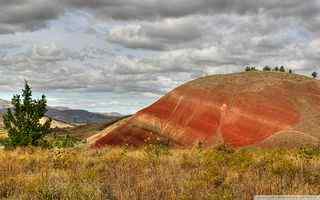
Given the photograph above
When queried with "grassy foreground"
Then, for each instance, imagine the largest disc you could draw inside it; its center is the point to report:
(155, 172)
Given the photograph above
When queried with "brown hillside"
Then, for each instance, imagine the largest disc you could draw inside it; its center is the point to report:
(252, 108)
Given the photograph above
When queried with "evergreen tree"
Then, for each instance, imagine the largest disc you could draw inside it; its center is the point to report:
(290, 71)
(314, 74)
(267, 68)
(276, 69)
(23, 121)
(282, 69)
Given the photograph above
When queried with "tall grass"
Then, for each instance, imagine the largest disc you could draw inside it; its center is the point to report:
(152, 173)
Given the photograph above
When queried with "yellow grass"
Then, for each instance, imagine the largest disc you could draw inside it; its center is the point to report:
(155, 172)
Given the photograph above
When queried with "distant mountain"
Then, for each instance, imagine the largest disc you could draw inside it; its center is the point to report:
(67, 115)
(54, 123)
(5, 104)
(79, 116)
(113, 114)
(60, 108)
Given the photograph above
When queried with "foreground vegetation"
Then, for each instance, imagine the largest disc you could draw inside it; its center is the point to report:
(156, 172)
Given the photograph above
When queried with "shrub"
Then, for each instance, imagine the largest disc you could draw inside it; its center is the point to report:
(266, 68)
(224, 148)
(282, 69)
(66, 141)
(309, 152)
(156, 150)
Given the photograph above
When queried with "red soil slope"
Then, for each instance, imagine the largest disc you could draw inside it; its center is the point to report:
(237, 109)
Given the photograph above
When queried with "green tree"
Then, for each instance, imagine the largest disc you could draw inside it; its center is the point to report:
(23, 121)
(276, 69)
(266, 68)
(253, 69)
(314, 74)
(290, 71)
(282, 69)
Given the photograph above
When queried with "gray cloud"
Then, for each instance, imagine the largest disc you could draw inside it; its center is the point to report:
(161, 35)
(16, 16)
(142, 9)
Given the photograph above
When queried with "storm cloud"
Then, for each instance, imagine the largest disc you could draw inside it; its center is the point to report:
(32, 14)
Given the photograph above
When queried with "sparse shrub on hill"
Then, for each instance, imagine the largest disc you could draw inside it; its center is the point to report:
(155, 150)
(309, 152)
(266, 68)
(65, 141)
(23, 121)
(282, 69)
(248, 68)
(314, 74)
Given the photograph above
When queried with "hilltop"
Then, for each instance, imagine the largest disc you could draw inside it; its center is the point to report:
(243, 109)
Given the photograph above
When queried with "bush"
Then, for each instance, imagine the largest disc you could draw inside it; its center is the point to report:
(66, 141)
(266, 68)
(224, 148)
(155, 151)
(309, 152)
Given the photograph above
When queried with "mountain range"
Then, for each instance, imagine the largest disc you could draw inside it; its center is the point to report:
(71, 116)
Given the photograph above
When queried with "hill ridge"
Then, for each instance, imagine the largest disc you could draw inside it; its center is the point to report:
(247, 108)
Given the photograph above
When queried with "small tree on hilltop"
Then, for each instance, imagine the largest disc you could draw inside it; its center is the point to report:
(266, 68)
(314, 74)
(282, 69)
(253, 69)
(23, 121)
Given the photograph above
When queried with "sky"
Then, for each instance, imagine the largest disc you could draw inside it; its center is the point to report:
(122, 55)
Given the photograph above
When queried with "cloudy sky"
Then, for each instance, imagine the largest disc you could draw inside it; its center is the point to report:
(121, 55)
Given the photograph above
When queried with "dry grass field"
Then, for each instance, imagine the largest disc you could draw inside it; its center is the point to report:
(156, 172)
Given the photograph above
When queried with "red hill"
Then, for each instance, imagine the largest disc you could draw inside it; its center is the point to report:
(252, 108)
